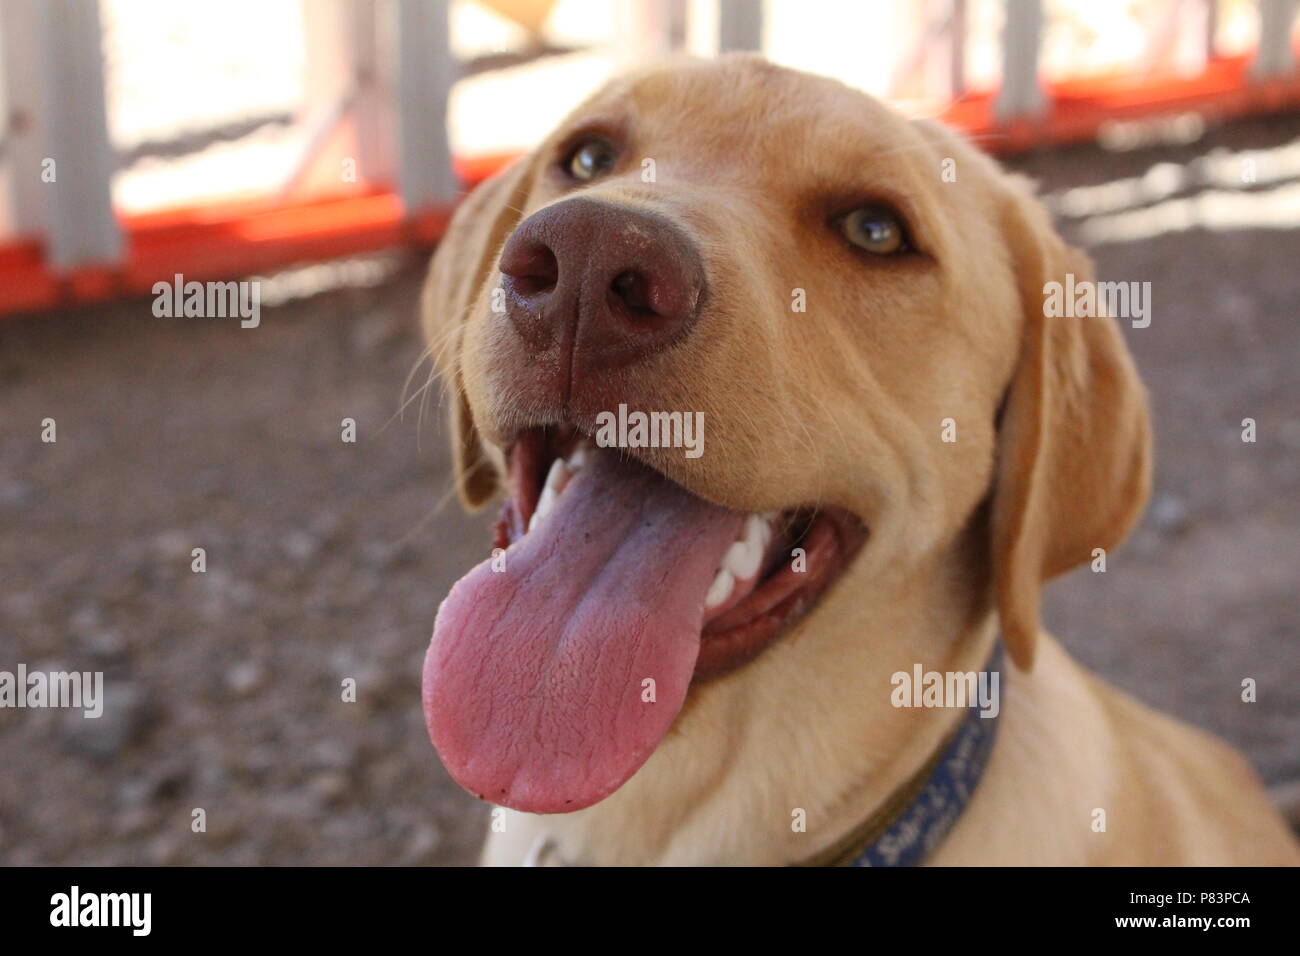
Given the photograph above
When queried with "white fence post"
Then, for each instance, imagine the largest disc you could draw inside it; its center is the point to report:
(425, 73)
(25, 130)
(373, 107)
(1021, 94)
(80, 228)
(1274, 57)
(740, 25)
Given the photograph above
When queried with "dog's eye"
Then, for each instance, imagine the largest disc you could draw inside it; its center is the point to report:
(591, 158)
(877, 229)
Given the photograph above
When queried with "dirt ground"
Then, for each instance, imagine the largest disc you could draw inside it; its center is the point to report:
(327, 560)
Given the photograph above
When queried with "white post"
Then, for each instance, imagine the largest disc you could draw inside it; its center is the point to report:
(1211, 27)
(25, 213)
(1021, 94)
(957, 50)
(740, 25)
(77, 170)
(1274, 57)
(425, 73)
(649, 29)
(373, 81)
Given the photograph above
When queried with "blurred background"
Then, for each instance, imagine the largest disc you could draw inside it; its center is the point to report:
(318, 146)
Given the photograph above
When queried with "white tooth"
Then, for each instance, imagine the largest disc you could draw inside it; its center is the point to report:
(543, 505)
(745, 555)
(719, 590)
(557, 476)
(742, 559)
(556, 479)
(578, 458)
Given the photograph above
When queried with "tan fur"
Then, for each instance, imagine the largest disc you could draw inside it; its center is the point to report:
(842, 405)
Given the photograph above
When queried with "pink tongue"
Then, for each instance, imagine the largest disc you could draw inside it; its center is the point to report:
(535, 678)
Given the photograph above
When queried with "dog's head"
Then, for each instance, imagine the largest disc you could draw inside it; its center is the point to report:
(851, 306)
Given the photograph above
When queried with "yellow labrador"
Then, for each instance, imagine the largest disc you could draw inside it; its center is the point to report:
(783, 427)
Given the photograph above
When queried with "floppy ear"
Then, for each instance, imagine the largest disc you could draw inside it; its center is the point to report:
(1074, 457)
(465, 259)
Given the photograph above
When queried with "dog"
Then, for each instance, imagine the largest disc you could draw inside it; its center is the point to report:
(680, 660)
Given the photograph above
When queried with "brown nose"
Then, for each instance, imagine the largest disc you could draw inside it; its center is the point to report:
(613, 284)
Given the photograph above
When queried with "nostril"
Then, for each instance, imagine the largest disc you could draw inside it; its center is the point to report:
(633, 290)
(533, 269)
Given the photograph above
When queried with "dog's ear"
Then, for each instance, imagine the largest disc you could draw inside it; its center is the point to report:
(464, 260)
(1074, 455)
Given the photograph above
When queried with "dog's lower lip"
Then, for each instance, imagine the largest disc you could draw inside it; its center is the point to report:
(784, 596)
(786, 592)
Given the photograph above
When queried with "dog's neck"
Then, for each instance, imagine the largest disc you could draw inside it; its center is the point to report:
(806, 734)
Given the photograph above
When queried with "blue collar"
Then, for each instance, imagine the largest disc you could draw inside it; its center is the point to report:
(917, 818)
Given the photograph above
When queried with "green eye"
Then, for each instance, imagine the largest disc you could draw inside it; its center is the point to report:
(877, 229)
(591, 158)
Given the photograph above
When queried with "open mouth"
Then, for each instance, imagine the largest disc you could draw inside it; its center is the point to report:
(771, 573)
(557, 666)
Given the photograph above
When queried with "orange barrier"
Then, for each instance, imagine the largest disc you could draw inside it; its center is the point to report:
(241, 239)
(1079, 108)
(220, 241)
